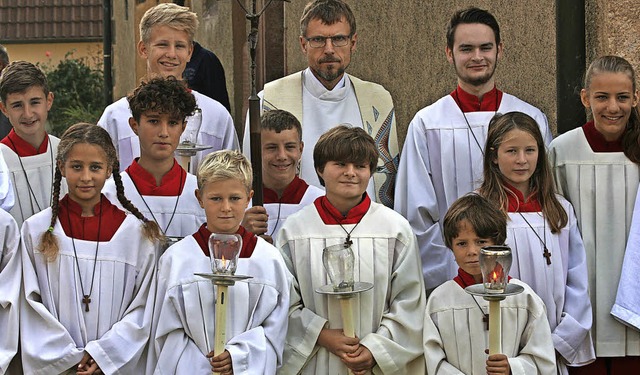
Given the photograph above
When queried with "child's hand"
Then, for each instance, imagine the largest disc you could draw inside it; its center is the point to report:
(255, 220)
(337, 343)
(498, 364)
(221, 363)
(360, 361)
(88, 366)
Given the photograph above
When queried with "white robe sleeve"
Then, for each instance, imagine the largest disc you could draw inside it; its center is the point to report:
(416, 200)
(7, 197)
(45, 344)
(434, 349)
(120, 349)
(10, 287)
(304, 324)
(397, 341)
(627, 306)
(572, 335)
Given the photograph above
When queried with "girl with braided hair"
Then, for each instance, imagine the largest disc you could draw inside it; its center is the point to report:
(88, 277)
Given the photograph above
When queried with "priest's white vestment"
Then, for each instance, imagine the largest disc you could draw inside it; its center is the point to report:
(10, 287)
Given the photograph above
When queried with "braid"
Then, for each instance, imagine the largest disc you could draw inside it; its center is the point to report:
(48, 243)
(151, 229)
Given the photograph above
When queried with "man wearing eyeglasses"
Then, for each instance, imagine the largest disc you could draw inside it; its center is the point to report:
(323, 96)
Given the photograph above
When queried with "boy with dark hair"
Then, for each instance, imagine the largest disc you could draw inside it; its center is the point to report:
(28, 150)
(284, 192)
(166, 43)
(455, 335)
(155, 182)
(388, 320)
(257, 308)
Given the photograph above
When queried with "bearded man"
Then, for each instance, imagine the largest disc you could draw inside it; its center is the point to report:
(323, 95)
(443, 152)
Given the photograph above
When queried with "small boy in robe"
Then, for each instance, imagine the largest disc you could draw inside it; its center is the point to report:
(456, 323)
(155, 182)
(28, 150)
(387, 318)
(182, 341)
(284, 192)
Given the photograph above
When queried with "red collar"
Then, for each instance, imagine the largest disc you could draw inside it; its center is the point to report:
(22, 147)
(464, 279)
(597, 142)
(517, 203)
(330, 215)
(471, 103)
(171, 184)
(292, 194)
(249, 240)
(86, 228)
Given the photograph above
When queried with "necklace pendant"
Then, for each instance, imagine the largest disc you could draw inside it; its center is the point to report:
(86, 300)
(547, 255)
(348, 242)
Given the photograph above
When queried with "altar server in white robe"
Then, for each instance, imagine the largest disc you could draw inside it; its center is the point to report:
(155, 182)
(388, 318)
(88, 278)
(597, 169)
(456, 323)
(28, 150)
(166, 44)
(10, 286)
(442, 155)
(257, 308)
(324, 95)
(542, 231)
(627, 304)
(7, 197)
(283, 191)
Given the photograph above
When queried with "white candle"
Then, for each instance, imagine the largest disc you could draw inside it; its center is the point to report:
(346, 307)
(495, 329)
(184, 161)
(220, 339)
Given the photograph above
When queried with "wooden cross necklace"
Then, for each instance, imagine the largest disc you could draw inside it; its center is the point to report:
(546, 253)
(347, 241)
(485, 316)
(86, 298)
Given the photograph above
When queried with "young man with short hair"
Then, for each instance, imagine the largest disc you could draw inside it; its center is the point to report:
(442, 154)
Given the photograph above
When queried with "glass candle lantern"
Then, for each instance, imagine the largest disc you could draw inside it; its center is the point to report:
(495, 262)
(224, 250)
(338, 261)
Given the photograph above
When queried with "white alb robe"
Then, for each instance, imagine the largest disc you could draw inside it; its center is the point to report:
(55, 329)
(441, 162)
(185, 312)
(455, 337)
(10, 286)
(188, 216)
(7, 198)
(602, 187)
(627, 306)
(33, 191)
(212, 126)
(387, 318)
(562, 285)
(279, 212)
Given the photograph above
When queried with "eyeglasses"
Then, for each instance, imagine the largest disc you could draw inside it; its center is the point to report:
(321, 41)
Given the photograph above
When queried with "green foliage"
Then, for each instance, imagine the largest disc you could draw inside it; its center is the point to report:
(77, 87)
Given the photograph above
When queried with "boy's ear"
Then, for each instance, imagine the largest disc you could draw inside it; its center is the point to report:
(133, 124)
(199, 197)
(49, 101)
(142, 49)
(3, 109)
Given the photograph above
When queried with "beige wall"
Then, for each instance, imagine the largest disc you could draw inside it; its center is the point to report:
(50, 54)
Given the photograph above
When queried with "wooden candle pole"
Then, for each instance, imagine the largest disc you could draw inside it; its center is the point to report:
(495, 327)
(220, 339)
(346, 306)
